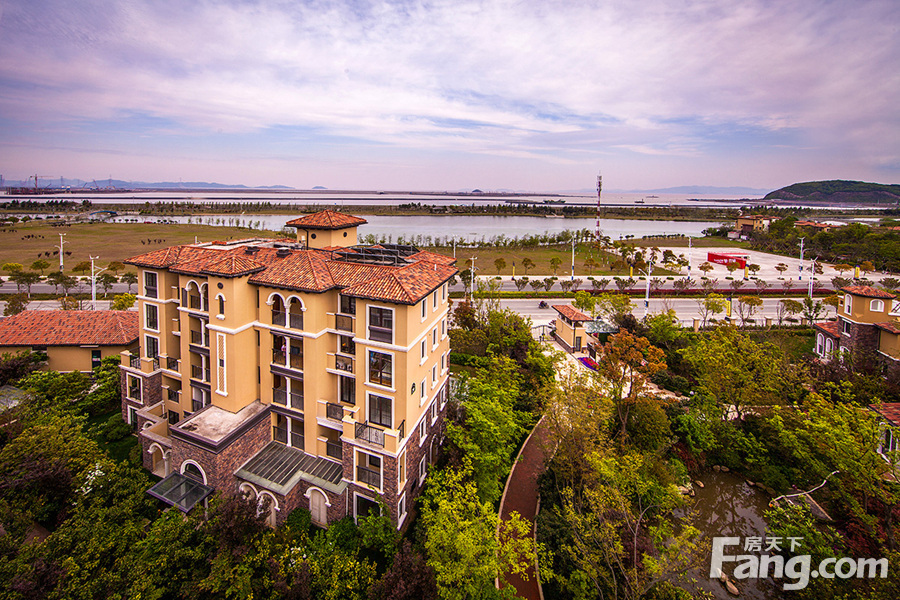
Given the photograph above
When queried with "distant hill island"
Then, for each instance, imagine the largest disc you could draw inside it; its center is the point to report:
(839, 191)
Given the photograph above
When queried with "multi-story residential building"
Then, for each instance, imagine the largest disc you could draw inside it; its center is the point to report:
(867, 319)
(311, 372)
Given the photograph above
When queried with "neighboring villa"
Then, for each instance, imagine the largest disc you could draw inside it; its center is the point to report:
(746, 225)
(308, 373)
(570, 330)
(74, 340)
(867, 319)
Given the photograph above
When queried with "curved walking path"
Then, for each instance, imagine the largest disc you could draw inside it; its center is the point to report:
(521, 496)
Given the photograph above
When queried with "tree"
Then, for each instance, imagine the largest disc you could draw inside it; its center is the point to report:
(106, 281)
(527, 263)
(15, 304)
(408, 578)
(711, 304)
(499, 264)
(738, 372)
(520, 283)
(626, 365)
(600, 284)
(25, 279)
(736, 284)
(40, 265)
(842, 268)
(576, 283)
(812, 309)
(753, 268)
(84, 266)
(565, 285)
(590, 264)
(789, 308)
(761, 285)
(122, 301)
(462, 541)
(130, 278)
(548, 283)
(781, 268)
(747, 307)
(866, 267)
(536, 284)
(115, 267)
(890, 284)
(555, 263)
(12, 267)
(706, 268)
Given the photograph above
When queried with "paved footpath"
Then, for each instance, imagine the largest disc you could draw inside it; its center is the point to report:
(521, 496)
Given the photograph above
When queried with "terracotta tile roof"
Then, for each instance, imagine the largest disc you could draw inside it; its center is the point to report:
(233, 266)
(891, 326)
(867, 291)
(888, 410)
(304, 270)
(832, 328)
(326, 219)
(404, 285)
(433, 257)
(570, 312)
(70, 328)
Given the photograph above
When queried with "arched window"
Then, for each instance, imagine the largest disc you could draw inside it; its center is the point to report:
(876, 306)
(192, 470)
(820, 345)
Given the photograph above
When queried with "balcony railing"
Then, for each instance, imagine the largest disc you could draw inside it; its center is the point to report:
(334, 449)
(135, 361)
(280, 434)
(150, 291)
(343, 363)
(198, 372)
(285, 319)
(197, 338)
(368, 476)
(401, 431)
(343, 323)
(334, 411)
(283, 397)
(296, 361)
(171, 363)
(155, 362)
(372, 435)
(172, 395)
(298, 441)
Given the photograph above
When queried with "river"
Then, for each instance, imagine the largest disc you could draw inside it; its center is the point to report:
(468, 228)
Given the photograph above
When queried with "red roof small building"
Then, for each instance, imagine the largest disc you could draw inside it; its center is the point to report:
(868, 292)
(326, 219)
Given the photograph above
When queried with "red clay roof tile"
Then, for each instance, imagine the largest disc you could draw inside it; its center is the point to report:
(326, 219)
(570, 312)
(888, 410)
(867, 291)
(70, 328)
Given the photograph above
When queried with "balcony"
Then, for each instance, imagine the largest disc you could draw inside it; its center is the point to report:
(334, 449)
(172, 395)
(343, 363)
(401, 431)
(195, 302)
(293, 361)
(343, 323)
(368, 476)
(172, 364)
(370, 434)
(199, 373)
(334, 411)
(198, 340)
(285, 319)
(283, 397)
(280, 434)
(134, 361)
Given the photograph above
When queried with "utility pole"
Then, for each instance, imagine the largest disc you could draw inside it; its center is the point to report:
(647, 295)
(690, 253)
(61, 242)
(812, 276)
(94, 281)
(573, 257)
(800, 276)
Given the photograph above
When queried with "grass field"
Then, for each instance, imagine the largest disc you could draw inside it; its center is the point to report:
(28, 242)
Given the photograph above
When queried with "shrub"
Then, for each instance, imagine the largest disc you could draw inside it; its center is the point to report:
(115, 429)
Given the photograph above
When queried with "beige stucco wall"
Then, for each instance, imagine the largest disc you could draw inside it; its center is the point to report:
(860, 309)
(889, 343)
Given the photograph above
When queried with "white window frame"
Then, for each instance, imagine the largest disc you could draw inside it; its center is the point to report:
(144, 283)
(393, 407)
(434, 375)
(423, 469)
(369, 352)
(848, 303)
(356, 464)
(876, 305)
(424, 350)
(845, 327)
(434, 412)
(434, 339)
(424, 309)
(401, 514)
(140, 387)
(434, 304)
(393, 323)
(423, 430)
(147, 345)
(148, 306)
(423, 396)
(829, 348)
(401, 470)
(820, 344)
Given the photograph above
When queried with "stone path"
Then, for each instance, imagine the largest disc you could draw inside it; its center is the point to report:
(521, 495)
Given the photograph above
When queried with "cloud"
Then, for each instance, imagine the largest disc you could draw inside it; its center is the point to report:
(515, 78)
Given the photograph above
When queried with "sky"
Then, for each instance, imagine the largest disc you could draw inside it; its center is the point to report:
(448, 95)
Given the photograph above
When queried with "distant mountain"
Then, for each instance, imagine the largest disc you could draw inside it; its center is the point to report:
(118, 184)
(838, 190)
(704, 190)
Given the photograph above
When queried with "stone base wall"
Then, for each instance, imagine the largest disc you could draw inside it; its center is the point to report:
(220, 467)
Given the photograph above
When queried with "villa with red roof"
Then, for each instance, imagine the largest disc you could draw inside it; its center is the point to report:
(74, 340)
(310, 372)
(868, 319)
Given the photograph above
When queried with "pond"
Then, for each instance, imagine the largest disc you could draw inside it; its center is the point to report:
(729, 506)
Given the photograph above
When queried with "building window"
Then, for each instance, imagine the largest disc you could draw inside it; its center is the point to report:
(221, 299)
(381, 324)
(346, 345)
(444, 292)
(423, 431)
(876, 306)
(424, 352)
(433, 375)
(380, 368)
(150, 285)
(434, 298)
(401, 508)
(151, 317)
(401, 470)
(380, 410)
(848, 303)
(434, 338)
(152, 346)
(96, 358)
(829, 347)
(845, 327)
(422, 394)
(347, 389)
(348, 305)
(820, 344)
(134, 387)
(174, 417)
(443, 328)
(423, 469)
(222, 378)
(424, 308)
(434, 412)
(443, 362)
(368, 470)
